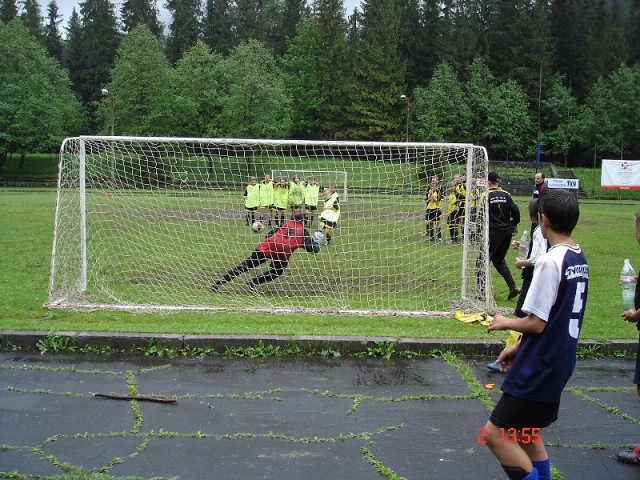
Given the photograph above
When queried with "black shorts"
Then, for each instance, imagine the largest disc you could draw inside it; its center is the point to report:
(432, 215)
(512, 412)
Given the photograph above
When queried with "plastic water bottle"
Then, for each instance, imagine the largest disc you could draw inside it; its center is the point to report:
(628, 283)
(523, 249)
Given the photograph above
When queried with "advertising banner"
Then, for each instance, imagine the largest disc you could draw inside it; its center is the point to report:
(620, 175)
(566, 183)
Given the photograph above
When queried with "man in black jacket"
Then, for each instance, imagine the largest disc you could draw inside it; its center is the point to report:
(504, 216)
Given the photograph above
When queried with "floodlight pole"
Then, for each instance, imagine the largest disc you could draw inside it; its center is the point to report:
(406, 156)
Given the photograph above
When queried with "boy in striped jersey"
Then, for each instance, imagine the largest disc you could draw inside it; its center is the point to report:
(542, 362)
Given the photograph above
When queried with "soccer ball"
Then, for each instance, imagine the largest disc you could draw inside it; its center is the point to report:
(257, 226)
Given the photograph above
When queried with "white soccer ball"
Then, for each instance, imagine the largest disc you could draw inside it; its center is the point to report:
(257, 226)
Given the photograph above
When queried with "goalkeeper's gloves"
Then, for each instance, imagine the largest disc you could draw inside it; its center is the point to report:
(317, 237)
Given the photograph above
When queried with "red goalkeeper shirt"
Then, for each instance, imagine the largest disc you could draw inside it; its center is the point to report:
(281, 245)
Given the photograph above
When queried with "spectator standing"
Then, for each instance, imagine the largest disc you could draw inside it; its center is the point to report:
(504, 217)
(633, 316)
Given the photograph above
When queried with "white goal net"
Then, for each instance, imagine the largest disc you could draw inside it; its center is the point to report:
(153, 223)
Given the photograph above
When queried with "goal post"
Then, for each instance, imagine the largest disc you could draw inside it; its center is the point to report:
(149, 224)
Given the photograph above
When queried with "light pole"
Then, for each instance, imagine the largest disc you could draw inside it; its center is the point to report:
(406, 154)
(107, 93)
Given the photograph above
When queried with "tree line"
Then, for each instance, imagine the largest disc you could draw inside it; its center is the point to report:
(508, 75)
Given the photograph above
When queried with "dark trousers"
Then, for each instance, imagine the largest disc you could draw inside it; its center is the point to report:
(499, 243)
(257, 258)
(527, 276)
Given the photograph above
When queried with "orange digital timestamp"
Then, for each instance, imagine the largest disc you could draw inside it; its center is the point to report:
(512, 435)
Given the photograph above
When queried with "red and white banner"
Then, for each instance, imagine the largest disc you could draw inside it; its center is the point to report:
(620, 175)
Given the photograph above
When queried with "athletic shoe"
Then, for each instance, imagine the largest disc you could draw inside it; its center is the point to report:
(215, 285)
(514, 292)
(632, 457)
(252, 287)
(494, 367)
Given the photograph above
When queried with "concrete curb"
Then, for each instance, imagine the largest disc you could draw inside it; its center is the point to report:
(127, 341)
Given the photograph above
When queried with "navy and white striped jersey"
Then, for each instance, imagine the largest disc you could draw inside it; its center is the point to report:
(558, 294)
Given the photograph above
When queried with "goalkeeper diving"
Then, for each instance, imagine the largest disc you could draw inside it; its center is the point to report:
(278, 246)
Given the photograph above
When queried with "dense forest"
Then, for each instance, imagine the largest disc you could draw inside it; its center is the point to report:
(508, 75)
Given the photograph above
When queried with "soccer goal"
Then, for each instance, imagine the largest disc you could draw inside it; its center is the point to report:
(148, 224)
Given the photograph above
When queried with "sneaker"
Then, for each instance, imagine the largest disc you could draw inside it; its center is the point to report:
(215, 285)
(494, 367)
(632, 457)
(252, 287)
(514, 292)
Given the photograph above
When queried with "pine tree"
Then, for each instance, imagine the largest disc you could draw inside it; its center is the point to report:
(217, 27)
(8, 10)
(506, 24)
(633, 32)
(185, 27)
(246, 20)
(52, 37)
(332, 61)
(428, 47)
(99, 42)
(72, 58)
(412, 39)
(268, 23)
(140, 12)
(375, 111)
(293, 12)
(32, 18)
(569, 32)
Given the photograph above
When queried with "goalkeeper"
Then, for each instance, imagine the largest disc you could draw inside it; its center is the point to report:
(278, 246)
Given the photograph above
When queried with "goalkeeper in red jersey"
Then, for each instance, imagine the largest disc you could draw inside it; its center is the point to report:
(278, 246)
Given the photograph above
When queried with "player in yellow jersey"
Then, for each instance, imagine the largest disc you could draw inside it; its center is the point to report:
(330, 212)
(311, 196)
(251, 200)
(280, 200)
(433, 212)
(453, 211)
(461, 192)
(296, 195)
(266, 199)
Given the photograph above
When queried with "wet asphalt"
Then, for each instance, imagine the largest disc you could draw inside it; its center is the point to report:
(292, 417)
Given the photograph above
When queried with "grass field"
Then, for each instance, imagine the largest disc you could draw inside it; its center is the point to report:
(605, 231)
(155, 249)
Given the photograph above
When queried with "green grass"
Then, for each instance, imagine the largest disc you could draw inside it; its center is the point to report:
(605, 231)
